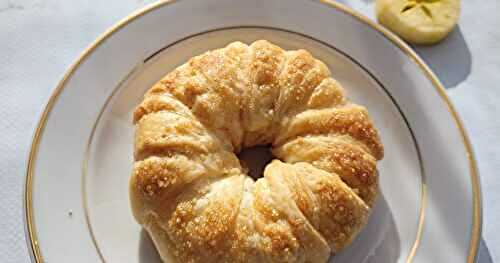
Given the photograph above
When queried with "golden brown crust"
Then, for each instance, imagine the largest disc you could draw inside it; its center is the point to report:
(203, 220)
(350, 120)
(160, 102)
(337, 155)
(165, 133)
(264, 66)
(298, 79)
(328, 93)
(189, 190)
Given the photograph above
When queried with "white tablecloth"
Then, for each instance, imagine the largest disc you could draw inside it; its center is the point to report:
(39, 39)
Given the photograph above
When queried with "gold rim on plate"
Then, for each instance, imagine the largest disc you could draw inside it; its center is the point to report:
(476, 229)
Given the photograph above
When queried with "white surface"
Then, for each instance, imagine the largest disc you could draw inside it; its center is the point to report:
(40, 39)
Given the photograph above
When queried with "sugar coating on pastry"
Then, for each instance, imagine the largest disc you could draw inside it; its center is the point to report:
(189, 190)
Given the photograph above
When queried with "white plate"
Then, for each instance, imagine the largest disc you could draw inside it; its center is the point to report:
(77, 205)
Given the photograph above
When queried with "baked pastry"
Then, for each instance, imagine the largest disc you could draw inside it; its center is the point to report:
(189, 191)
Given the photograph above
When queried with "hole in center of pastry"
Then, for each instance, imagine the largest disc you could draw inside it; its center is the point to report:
(254, 160)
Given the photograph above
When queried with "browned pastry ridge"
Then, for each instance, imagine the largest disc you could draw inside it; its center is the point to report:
(189, 191)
